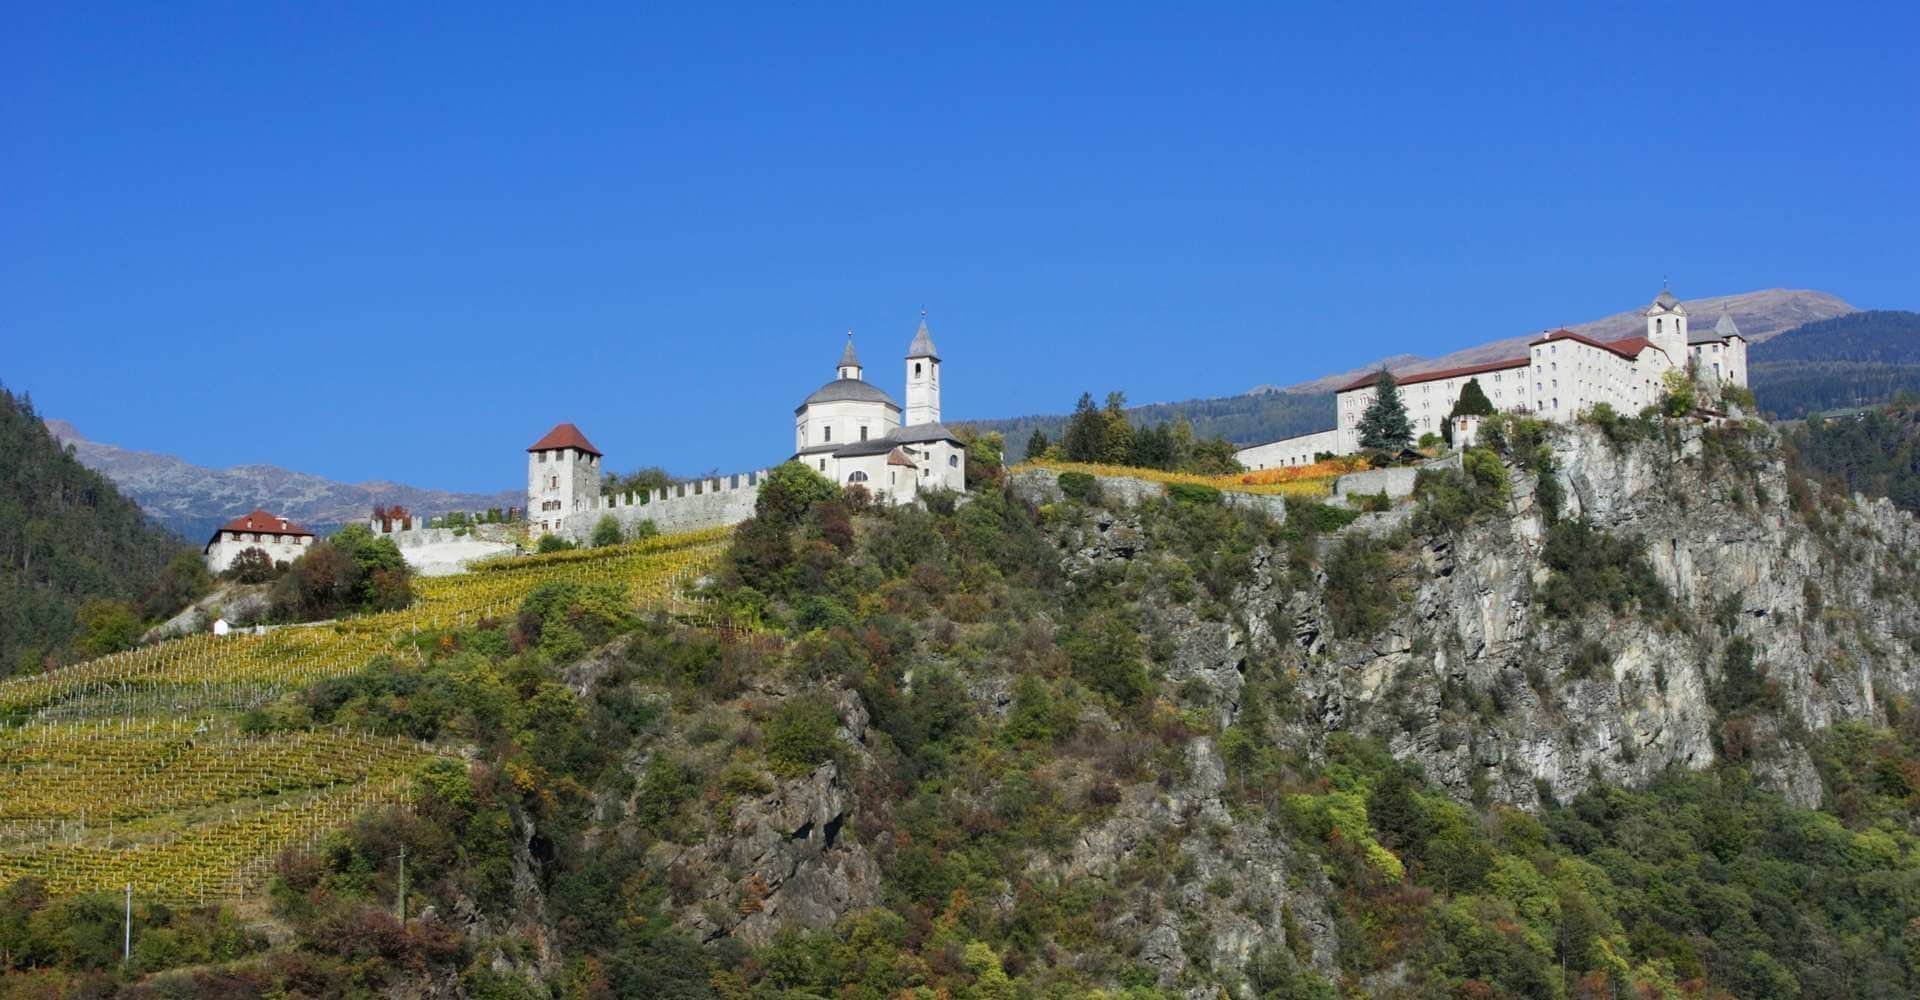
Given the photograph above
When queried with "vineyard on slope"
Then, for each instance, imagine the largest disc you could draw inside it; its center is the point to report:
(204, 672)
(1309, 481)
(130, 769)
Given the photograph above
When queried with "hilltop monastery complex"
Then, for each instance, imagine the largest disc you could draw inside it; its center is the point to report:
(854, 433)
(1562, 375)
(848, 430)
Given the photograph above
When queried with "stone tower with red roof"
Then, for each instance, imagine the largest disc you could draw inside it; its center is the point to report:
(563, 478)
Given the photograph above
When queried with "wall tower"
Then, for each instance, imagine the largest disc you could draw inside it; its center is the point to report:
(923, 378)
(563, 477)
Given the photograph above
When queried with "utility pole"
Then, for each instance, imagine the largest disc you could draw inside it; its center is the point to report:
(126, 942)
(403, 884)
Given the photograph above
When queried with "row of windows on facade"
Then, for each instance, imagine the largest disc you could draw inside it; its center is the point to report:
(591, 459)
(953, 461)
(826, 433)
(249, 536)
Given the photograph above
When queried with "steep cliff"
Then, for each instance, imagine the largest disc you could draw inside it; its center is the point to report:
(1605, 710)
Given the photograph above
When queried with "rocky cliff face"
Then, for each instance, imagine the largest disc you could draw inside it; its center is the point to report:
(1785, 610)
(1495, 696)
(1821, 589)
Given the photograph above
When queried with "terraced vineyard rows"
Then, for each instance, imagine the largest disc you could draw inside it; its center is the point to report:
(219, 857)
(97, 772)
(201, 673)
(104, 782)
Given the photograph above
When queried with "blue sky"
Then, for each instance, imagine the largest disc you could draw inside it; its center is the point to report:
(379, 244)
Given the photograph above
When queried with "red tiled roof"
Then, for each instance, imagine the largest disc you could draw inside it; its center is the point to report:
(260, 522)
(1617, 347)
(1438, 373)
(1633, 345)
(564, 436)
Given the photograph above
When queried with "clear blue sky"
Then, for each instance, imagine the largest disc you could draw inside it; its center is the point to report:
(372, 243)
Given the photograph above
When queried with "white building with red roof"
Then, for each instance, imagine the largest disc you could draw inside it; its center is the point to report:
(282, 540)
(1562, 375)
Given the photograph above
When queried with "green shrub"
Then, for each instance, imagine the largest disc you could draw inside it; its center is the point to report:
(1105, 650)
(800, 735)
(606, 531)
(553, 543)
(1311, 517)
(1360, 595)
(1080, 486)
(1592, 566)
(1371, 503)
(1197, 494)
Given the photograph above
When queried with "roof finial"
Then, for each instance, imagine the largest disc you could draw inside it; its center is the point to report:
(1664, 285)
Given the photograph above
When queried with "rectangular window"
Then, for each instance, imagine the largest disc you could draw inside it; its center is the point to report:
(863, 432)
(828, 431)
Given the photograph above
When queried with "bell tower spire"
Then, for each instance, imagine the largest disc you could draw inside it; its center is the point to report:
(923, 377)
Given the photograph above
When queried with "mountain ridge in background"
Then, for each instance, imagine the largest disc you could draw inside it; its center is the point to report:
(194, 499)
(1761, 315)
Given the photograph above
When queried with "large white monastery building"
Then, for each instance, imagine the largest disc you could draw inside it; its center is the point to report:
(1562, 375)
(848, 430)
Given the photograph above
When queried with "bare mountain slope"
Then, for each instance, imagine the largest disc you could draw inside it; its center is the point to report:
(1761, 316)
(192, 499)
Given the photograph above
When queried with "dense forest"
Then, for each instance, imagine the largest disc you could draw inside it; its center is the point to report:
(1875, 452)
(1860, 359)
(925, 713)
(73, 548)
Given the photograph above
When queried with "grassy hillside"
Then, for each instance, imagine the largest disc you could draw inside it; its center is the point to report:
(67, 536)
(1862, 359)
(156, 768)
(971, 752)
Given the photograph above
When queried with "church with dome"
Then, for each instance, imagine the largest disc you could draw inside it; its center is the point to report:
(848, 430)
(852, 432)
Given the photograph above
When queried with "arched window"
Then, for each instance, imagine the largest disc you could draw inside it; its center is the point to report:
(916, 367)
(857, 477)
(953, 460)
(1656, 325)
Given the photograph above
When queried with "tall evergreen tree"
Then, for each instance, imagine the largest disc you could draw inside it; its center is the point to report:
(1086, 431)
(1385, 426)
(1473, 402)
(1037, 444)
(1116, 446)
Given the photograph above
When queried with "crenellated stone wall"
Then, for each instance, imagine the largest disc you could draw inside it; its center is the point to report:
(707, 502)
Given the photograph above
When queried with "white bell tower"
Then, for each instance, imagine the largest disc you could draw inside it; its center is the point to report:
(1667, 326)
(923, 378)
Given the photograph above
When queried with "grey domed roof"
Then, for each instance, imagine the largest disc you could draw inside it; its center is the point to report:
(847, 390)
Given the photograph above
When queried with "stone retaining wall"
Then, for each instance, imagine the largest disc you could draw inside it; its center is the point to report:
(1396, 482)
(1043, 486)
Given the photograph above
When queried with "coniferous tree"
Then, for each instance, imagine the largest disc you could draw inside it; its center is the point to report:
(1086, 431)
(1037, 445)
(1116, 445)
(1473, 402)
(1385, 426)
